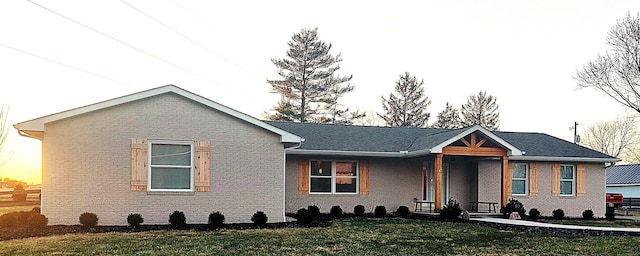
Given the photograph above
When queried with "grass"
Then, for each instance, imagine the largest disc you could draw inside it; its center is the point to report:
(8, 209)
(345, 237)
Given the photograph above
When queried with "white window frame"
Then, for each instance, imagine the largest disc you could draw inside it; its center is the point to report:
(572, 180)
(526, 179)
(334, 177)
(191, 167)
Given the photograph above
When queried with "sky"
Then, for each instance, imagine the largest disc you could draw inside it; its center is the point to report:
(58, 55)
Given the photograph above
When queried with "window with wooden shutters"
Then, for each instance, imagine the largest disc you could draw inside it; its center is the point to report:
(333, 177)
(165, 165)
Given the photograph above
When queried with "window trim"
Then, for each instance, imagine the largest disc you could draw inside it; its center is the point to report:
(191, 167)
(526, 179)
(573, 180)
(334, 177)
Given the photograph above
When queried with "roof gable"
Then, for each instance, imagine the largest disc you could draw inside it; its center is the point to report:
(511, 150)
(35, 127)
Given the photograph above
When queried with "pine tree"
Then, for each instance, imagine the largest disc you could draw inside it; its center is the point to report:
(408, 107)
(481, 109)
(448, 118)
(309, 86)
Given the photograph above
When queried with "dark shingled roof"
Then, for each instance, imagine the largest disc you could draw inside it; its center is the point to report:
(396, 139)
(623, 174)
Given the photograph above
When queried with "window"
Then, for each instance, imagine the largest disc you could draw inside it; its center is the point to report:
(171, 167)
(334, 177)
(520, 179)
(567, 179)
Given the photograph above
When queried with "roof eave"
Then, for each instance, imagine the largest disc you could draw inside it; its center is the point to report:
(564, 159)
(296, 151)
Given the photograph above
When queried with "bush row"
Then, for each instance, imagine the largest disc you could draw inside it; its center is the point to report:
(558, 214)
(177, 219)
(30, 219)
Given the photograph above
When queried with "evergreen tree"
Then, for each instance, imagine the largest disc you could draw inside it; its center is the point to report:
(408, 106)
(448, 118)
(334, 112)
(481, 109)
(309, 86)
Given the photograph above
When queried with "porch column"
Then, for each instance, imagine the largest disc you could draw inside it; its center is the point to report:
(506, 181)
(438, 182)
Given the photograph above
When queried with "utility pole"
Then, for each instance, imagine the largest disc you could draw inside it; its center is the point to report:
(576, 139)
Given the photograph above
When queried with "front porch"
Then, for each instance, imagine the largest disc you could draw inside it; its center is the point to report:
(474, 170)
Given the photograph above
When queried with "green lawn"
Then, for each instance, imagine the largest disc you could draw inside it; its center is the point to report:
(345, 237)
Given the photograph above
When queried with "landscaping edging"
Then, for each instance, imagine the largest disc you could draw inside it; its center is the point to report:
(552, 230)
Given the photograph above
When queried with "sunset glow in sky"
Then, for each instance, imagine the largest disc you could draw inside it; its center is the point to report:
(58, 55)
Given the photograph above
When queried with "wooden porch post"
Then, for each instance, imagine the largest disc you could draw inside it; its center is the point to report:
(506, 181)
(438, 182)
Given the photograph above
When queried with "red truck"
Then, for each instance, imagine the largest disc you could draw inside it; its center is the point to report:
(614, 198)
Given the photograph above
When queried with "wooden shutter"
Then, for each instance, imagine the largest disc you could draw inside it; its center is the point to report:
(303, 177)
(139, 164)
(202, 170)
(555, 180)
(580, 180)
(364, 177)
(533, 179)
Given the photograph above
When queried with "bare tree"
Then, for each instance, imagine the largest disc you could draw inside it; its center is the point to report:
(449, 118)
(369, 118)
(5, 127)
(408, 106)
(616, 73)
(481, 109)
(309, 84)
(617, 138)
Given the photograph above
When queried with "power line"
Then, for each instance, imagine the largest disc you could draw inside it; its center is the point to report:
(189, 39)
(195, 16)
(69, 66)
(131, 46)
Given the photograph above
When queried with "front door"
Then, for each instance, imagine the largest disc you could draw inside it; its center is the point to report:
(428, 182)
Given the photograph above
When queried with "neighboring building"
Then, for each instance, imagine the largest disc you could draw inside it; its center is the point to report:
(624, 179)
(168, 149)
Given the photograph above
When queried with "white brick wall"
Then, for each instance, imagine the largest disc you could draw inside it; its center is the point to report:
(87, 164)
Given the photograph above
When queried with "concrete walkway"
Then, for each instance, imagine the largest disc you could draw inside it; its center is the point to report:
(554, 226)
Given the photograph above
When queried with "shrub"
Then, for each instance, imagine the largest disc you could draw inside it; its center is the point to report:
(451, 211)
(36, 210)
(135, 219)
(88, 219)
(177, 219)
(610, 214)
(403, 211)
(314, 209)
(358, 210)
(558, 214)
(514, 206)
(380, 211)
(8, 220)
(36, 220)
(21, 197)
(534, 213)
(259, 219)
(305, 216)
(216, 220)
(587, 214)
(336, 211)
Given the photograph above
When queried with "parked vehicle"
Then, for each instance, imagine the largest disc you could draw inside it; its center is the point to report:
(615, 199)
